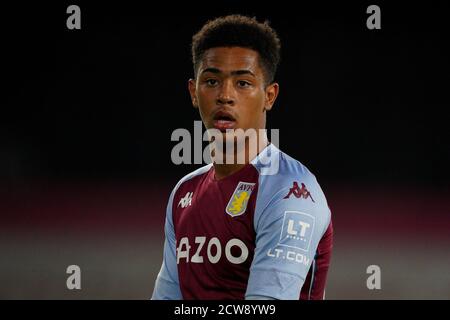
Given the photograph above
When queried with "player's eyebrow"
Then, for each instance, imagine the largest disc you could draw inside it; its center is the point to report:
(240, 72)
(234, 72)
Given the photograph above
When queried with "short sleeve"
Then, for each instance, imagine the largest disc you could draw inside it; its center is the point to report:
(167, 284)
(288, 231)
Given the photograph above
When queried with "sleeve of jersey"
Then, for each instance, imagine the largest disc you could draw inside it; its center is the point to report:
(167, 285)
(288, 232)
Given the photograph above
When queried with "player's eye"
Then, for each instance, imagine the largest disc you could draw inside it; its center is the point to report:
(243, 83)
(211, 82)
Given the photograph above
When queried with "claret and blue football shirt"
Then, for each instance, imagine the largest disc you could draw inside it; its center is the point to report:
(257, 232)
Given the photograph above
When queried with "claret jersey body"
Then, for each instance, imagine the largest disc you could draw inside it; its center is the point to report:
(265, 230)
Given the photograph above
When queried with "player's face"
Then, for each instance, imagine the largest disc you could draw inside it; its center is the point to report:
(230, 89)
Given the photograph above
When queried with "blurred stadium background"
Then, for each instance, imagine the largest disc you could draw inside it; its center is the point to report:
(85, 126)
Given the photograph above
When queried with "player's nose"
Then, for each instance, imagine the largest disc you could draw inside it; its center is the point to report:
(225, 95)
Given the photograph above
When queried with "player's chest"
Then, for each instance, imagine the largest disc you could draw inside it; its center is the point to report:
(216, 211)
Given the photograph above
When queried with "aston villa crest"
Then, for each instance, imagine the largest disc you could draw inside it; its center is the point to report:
(239, 199)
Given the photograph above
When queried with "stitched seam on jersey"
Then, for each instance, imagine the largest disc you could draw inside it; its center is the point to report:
(269, 203)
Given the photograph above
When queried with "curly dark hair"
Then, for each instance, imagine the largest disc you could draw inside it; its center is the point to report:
(239, 31)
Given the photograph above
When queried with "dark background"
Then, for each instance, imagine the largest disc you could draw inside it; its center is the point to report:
(86, 118)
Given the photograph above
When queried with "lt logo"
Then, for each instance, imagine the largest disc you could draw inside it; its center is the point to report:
(297, 230)
(294, 233)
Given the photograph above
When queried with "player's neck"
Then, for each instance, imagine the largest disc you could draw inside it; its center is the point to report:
(224, 170)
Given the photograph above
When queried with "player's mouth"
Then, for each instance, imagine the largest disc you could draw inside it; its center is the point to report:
(224, 120)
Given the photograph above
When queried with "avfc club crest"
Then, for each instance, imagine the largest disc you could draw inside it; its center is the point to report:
(239, 199)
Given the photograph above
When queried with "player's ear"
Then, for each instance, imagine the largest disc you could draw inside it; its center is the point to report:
(271, 95)
(192, 92)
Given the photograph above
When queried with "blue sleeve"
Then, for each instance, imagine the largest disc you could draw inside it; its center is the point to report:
(167, 285)
(288, 231)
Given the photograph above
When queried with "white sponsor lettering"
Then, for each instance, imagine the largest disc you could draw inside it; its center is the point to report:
(242, 246)
(288, 255)
(183, 250)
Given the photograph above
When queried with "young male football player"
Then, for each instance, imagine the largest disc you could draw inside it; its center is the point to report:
(241, 230)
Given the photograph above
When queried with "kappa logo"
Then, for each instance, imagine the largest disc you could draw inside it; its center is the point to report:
(239, 199)
(186, 200)
(299, 192)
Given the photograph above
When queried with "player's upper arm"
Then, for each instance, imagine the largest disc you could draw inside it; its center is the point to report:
(167, 284)
(288, 231)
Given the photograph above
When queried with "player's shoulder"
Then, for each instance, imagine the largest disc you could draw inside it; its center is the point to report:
(277, 170)
(288, 182)
(188, 178)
